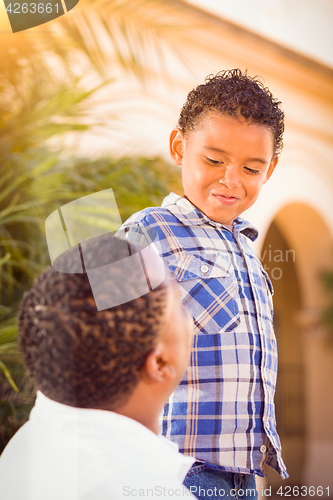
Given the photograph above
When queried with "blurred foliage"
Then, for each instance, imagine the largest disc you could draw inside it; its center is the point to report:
(46, 91)
(110, 35)
(34, 184)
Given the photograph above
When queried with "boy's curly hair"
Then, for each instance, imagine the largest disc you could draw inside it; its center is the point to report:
(235, 94)
(80, 356)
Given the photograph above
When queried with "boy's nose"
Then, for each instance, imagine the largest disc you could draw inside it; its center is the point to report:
(230, 177)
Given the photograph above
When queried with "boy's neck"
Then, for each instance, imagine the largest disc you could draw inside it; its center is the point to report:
(229, 226)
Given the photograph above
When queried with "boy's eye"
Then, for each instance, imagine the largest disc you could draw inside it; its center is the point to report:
(252, 171)
(213, 162)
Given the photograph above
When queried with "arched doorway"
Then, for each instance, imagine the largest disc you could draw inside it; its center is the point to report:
(297, 247)
(279, 261)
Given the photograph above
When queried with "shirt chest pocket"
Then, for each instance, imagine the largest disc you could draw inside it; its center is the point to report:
(209, 290)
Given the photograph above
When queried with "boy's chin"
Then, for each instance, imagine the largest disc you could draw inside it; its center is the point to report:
(225, 217)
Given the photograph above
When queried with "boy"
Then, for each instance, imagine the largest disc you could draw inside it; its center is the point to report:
(228, 139)
(104, 377)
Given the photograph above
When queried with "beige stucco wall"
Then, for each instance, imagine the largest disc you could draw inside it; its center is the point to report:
(302, 25)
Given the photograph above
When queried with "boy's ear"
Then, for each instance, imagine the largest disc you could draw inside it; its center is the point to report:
(271, 168)
(157, 367)
(177, 145)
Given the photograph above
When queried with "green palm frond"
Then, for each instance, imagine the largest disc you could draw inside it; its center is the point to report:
(135, 31)
(8, 376)
(110, 35)
(31, 124)
(48, 84)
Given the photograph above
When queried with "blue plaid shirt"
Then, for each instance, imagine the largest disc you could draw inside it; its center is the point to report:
(223, 411)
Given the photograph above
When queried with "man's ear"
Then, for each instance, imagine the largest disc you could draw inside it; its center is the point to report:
(158, 367)
(177, 145)
(271, 168)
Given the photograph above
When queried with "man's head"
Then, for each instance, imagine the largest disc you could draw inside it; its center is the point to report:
(228, 139)
(83, 357)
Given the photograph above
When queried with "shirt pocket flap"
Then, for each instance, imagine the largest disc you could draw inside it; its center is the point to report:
(186, 266)
(268, 281)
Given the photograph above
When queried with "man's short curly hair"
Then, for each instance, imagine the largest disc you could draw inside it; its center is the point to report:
(78, 355)
(235, 94)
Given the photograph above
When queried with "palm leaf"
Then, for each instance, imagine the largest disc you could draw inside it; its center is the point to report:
(8, 376)
(43, 94)
(118, 34)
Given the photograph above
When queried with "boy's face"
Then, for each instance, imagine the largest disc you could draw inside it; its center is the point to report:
(225, 163)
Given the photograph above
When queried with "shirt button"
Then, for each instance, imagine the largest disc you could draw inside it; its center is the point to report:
(265, 376)
(263, 448)
(204, 269)
(267, 425)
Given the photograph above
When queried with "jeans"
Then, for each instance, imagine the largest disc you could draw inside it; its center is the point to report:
(209, 482)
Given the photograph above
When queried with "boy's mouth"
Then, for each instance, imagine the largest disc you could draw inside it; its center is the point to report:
(226, 200)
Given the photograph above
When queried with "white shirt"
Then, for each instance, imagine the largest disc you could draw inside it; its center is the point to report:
(66, 453)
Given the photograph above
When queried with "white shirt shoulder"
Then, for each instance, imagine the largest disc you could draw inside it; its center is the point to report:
(82, 454)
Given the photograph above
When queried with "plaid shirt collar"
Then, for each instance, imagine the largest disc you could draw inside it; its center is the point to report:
(189, 215)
